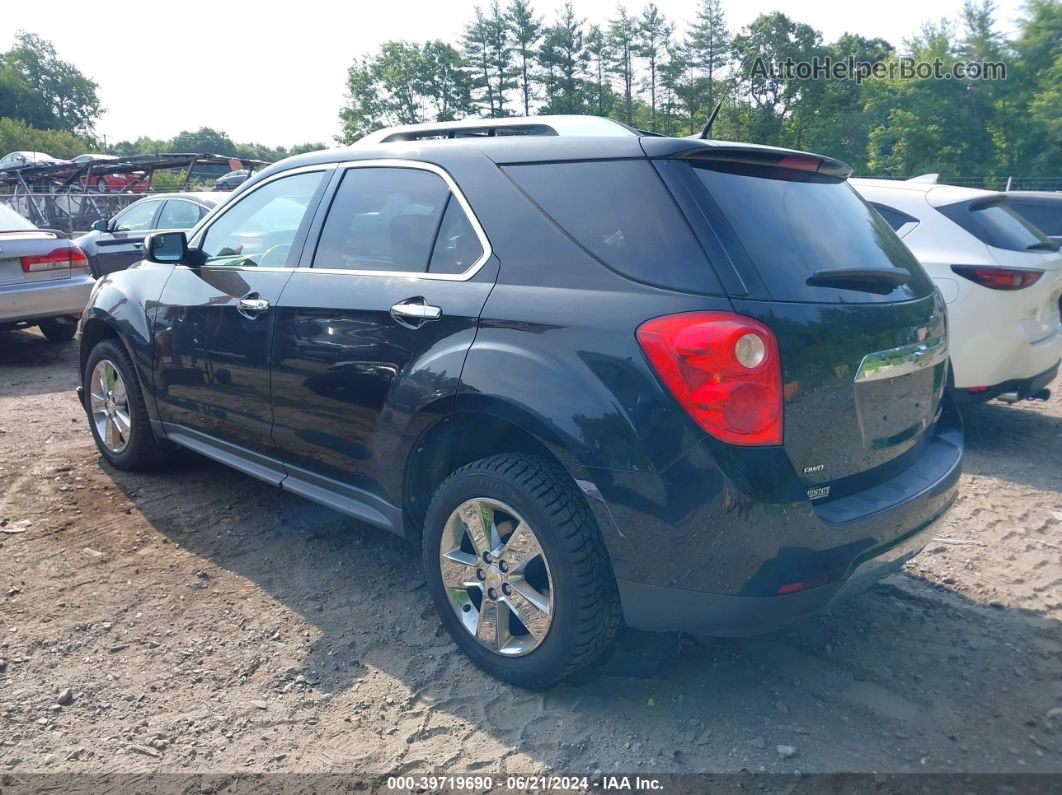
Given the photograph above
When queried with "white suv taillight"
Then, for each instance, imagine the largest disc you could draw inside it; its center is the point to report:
(998, 278)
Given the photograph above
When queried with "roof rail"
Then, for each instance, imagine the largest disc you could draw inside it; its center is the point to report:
(588, 126)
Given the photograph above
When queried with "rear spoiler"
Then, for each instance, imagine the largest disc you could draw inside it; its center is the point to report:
(752, 154)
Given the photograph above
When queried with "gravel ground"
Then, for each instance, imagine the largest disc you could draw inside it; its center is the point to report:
(197, 620)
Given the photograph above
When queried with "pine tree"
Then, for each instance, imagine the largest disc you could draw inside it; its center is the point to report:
(709, 46)
(653, 33)
(600, 57)
(477, 50)
(621, 35)
(526, 30)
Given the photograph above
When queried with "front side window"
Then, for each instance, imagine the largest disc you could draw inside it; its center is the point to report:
(258, 231)
(396, 219)
(177, 214)
(137, 218)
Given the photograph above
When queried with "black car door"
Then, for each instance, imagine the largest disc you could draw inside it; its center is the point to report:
(214, 324)
(375, 331)
(123, 242)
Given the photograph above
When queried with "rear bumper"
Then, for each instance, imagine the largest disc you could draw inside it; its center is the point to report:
(43, 300)
(732, 546)
(661, 609)
(1024, 387)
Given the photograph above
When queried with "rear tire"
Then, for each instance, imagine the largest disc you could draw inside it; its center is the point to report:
(58, 329)
(116, 412)
(540, 505)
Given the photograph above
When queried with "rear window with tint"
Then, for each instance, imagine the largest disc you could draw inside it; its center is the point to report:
(1046, 217)
(11, 221)
(620, 212)
(792, 224)
(997, 225)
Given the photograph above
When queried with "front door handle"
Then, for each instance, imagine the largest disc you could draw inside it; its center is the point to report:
(415, 310)
(252, 306)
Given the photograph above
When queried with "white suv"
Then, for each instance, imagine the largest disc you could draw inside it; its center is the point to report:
(1001, 280)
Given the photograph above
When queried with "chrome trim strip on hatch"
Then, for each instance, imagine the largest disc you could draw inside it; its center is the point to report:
(901, 361)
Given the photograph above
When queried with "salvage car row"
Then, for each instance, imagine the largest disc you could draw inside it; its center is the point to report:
(554, 351)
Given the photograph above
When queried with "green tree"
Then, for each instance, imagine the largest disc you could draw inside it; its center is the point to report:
(444, 81)
(772, 39)
(44, 91)
(565, 59)
(623, 41)
(709, 46)
(477, 44)
(599, 56)
(526, 30)
(653, 35)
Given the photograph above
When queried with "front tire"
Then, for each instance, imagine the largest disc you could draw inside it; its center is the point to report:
(117, 415)
(58, 329)
(518, 570)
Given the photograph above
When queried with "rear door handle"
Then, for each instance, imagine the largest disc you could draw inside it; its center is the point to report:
(415, 310)
(252, 306)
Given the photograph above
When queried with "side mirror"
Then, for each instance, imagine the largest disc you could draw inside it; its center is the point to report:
(101, 225)
(168, 248)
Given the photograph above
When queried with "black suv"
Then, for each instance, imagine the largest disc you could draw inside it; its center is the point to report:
(598, 375)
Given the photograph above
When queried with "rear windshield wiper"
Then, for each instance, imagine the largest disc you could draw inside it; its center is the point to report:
(1045, 245)
(881, 281)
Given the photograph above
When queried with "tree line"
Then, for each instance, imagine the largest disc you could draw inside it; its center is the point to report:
(656, 74)
(665, 76)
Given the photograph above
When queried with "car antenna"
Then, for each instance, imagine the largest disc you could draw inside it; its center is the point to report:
(707, 128)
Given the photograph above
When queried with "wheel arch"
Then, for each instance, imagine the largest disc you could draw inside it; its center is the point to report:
(469, 435)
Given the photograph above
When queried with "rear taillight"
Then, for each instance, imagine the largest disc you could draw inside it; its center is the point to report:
(723, 369)
(56, 259)
(78, 258)
(998, 278)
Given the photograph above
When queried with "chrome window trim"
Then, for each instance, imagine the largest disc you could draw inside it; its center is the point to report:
(455, 191)
(484, 243)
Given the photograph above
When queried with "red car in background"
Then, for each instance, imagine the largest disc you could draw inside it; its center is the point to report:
(129, 182)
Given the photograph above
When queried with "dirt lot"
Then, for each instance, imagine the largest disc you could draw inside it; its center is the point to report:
(203, 621)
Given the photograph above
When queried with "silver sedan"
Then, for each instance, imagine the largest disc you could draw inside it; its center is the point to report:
(44, 278)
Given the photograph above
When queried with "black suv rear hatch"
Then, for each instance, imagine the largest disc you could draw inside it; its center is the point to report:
(860, 329)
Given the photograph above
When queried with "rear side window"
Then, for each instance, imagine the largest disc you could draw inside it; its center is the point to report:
(792, 224)
(177, 214)
(1045, 217)
(396, 219)
(997, 225)
(620, 212)
(893, 217)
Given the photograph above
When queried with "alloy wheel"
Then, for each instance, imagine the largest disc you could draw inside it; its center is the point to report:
(109, 402)
(496, 576)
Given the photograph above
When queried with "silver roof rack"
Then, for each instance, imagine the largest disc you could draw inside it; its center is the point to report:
(588, 126)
